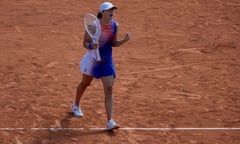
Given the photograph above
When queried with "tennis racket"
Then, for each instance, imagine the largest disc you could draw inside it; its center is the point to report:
(93, 28)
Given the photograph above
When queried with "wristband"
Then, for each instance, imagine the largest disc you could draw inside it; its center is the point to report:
(90, 46)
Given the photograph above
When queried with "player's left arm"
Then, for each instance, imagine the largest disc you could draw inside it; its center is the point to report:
(116, 42)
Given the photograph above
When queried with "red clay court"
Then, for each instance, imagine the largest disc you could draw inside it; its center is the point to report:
(181, 69)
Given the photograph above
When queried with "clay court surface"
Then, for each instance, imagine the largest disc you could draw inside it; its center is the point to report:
(181, 69)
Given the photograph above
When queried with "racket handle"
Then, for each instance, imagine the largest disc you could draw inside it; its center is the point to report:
(98, 58)
(98, 55)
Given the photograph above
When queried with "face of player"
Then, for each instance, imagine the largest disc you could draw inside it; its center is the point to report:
(108, 14)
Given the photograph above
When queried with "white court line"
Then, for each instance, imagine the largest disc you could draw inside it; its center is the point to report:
(178, 129)
(125, 129)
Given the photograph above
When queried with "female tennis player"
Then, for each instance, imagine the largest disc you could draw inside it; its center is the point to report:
(104, 69)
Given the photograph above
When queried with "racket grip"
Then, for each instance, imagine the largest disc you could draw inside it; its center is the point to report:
(98, 55)
(98, 58)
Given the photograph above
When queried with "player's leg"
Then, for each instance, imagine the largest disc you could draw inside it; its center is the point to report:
(108, 89)
(85, 82)
(108, 83)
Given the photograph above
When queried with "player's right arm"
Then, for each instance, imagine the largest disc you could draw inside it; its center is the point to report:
(87, 42)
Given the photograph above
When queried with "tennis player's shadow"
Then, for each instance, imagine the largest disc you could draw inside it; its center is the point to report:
(65, 124)
(60, 136)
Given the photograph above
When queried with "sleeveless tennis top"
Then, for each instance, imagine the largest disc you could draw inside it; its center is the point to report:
(105, 40)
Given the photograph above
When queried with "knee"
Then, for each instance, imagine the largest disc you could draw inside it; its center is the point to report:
(83, 84)
(109, 88)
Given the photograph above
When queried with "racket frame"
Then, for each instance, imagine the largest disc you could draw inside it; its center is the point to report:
(95, 36)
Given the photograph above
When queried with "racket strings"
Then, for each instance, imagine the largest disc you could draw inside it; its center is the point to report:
(91, 25)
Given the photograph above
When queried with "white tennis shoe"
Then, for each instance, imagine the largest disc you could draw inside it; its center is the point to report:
(77, 110)
(111, 125)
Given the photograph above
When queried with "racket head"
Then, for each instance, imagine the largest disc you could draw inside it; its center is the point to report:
(92, 26)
